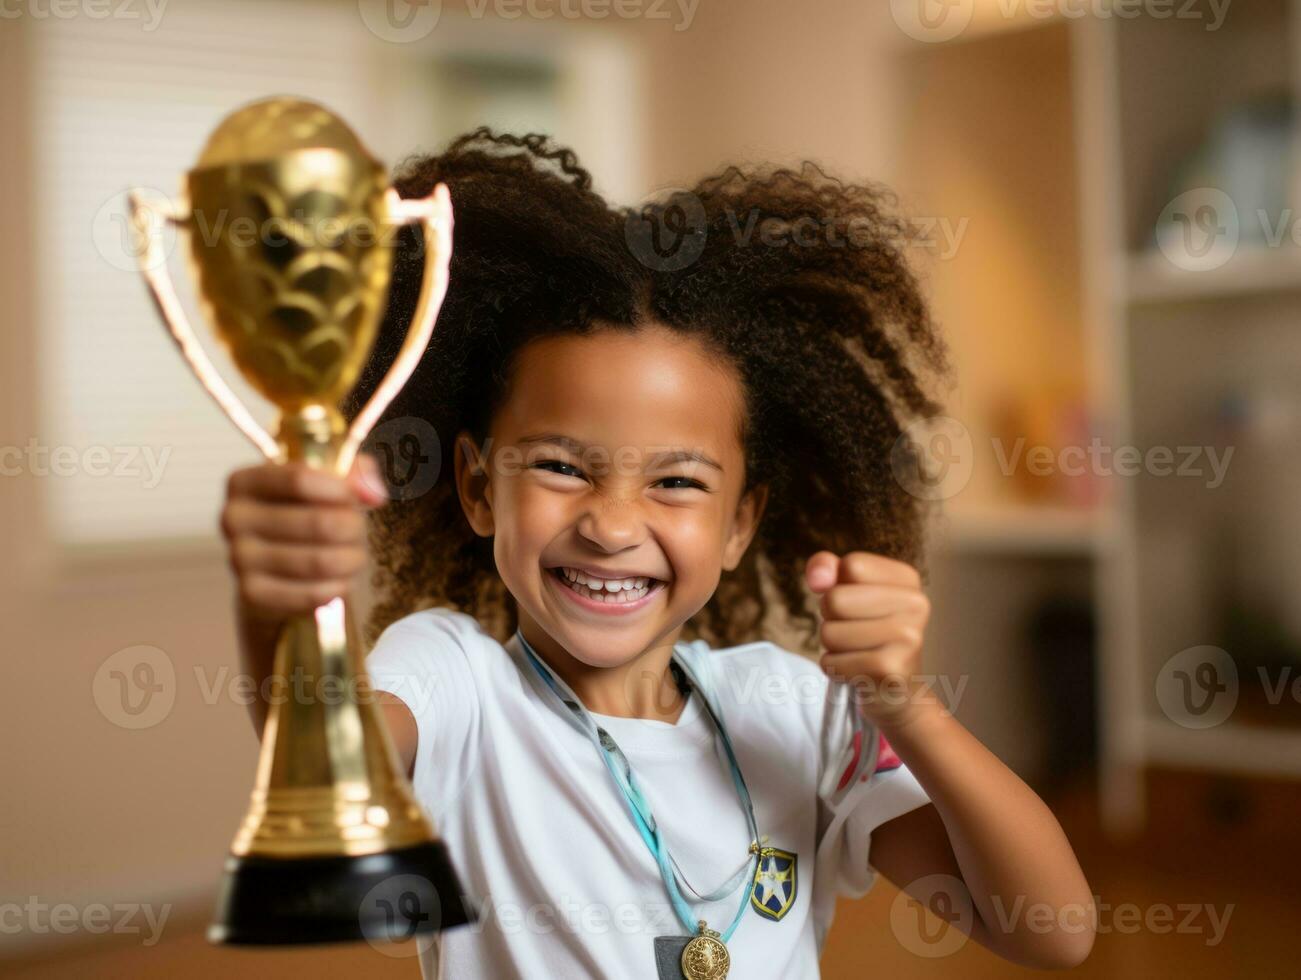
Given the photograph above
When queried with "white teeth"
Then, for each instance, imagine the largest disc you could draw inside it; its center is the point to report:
(609, 585)
(615, 591)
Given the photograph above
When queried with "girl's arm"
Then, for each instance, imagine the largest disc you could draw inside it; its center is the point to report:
(1004, 857)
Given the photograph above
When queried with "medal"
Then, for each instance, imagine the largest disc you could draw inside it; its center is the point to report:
(705, 957)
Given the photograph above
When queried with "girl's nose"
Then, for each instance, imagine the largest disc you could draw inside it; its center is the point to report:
(612, 522)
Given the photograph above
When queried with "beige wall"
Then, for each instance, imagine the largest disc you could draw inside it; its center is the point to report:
(783, 82)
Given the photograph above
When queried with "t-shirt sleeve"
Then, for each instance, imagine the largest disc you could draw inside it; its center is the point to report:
(863, 784)
(425, 659)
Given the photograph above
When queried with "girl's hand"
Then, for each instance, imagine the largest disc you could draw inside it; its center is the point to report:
(874, 619)
(296, 536)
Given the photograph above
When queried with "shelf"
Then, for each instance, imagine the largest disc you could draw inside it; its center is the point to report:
(1253, 270)
(1021, 530)
(1241, 749)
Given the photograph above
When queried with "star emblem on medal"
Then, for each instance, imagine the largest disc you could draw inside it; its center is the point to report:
(773, 891)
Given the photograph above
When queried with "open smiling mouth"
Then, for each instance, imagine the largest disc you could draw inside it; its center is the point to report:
(628, 594)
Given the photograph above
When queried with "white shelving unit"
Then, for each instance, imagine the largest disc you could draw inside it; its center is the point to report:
(1150, 278)
(1181, 339)
(1159, 344)
(1229, 748)
(1024, 530)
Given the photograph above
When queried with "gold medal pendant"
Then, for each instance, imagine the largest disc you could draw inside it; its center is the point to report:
(705, 957)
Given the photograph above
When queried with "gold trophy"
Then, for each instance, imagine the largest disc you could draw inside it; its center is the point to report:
(292, 227)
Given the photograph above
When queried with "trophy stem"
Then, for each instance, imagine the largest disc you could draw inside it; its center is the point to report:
(313, 435)
(328, 779)
(334, 841)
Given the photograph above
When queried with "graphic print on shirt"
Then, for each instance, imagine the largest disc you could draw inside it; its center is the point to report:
(773, 891)
(886, 760)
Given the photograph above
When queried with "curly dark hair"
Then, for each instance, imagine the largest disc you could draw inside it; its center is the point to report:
(798, 279)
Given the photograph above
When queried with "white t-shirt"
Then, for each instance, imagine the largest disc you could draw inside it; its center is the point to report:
(541, 836)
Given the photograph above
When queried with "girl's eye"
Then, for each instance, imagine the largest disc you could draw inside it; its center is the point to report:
(689, 483)
(548, 463)
(568, 469)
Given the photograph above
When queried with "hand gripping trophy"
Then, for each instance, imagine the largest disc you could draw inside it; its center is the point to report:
(291, 228)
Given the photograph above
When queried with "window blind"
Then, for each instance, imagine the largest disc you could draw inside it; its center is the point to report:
(132, 446)
(142, 451)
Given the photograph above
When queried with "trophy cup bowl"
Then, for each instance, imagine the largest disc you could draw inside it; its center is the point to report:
(291, 228)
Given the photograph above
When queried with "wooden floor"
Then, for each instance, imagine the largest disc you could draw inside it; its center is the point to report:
(1230, 845)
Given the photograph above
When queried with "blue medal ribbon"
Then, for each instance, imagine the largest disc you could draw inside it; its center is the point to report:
(638, 807)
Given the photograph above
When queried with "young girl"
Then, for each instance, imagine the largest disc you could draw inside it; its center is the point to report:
(655, 435)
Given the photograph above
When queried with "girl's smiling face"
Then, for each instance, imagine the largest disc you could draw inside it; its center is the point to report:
(619, 454)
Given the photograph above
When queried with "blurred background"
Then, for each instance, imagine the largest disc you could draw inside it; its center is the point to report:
(1102, 207)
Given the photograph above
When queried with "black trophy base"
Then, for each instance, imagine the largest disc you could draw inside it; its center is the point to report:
(386, 897)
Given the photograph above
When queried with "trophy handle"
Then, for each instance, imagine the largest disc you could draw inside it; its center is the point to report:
(435, 213)
(153, 264)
